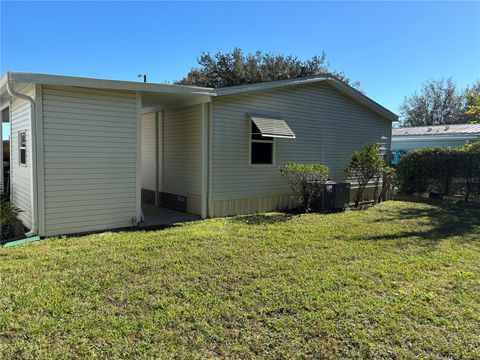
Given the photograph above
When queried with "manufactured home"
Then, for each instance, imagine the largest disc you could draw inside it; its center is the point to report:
(87, 154)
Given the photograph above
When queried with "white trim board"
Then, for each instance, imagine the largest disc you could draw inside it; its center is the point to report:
(59, 80)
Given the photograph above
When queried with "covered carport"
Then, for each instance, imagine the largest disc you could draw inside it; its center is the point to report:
(84, 140)
(175, 154)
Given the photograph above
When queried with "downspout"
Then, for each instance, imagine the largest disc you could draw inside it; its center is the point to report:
(34, 200)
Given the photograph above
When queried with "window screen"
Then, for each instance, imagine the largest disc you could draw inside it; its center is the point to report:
(262, 152)
(261, 147)
(22, 147)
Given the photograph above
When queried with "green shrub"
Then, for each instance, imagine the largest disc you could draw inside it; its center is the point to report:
(365, 166)
(469, 167)
(441, 170)
(10, 226)
(412, 174)
(306, 181)
(389, 176)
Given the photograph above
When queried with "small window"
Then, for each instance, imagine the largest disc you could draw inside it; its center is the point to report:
(261, 147)
(22, 147)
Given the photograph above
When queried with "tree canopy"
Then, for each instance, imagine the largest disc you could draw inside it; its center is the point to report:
(440, 102)
(472, 95)
(236, 68)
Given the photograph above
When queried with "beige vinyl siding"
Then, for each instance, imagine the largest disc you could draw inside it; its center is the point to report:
(89, 140)
(21, 175)
(182, 154)
(148, 151)
(329, 127)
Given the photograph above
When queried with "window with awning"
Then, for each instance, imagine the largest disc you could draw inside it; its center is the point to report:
(263, 133)
(268, 127)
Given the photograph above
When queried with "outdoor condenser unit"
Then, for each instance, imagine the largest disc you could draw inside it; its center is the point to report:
(335, 196)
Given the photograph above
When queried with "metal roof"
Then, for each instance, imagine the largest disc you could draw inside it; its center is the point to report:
(457, 129)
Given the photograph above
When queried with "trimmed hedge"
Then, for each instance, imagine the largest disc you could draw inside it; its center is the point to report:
(441, 170)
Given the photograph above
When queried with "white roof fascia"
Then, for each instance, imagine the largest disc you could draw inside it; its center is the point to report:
(59, 80)
(267, 85)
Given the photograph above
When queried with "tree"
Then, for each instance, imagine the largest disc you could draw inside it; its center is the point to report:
(306, 181)
(438, 103)
(236, 68)
(472, 104)
(366, 165)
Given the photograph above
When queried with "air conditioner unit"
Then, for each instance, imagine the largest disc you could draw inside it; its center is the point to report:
(335, 196)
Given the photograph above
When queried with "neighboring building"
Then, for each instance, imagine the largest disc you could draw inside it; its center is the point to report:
(86, 152)
(410, 138)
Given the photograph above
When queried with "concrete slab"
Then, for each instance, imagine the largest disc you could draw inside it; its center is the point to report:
(158, 216)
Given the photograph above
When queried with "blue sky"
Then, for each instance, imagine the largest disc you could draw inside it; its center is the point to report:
(390, 47)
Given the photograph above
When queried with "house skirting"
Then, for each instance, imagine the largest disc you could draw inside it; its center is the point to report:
(240, 206)
(245, 206)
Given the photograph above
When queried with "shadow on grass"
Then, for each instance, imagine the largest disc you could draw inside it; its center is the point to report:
(260, 219)
(133, 229)
(444, 217)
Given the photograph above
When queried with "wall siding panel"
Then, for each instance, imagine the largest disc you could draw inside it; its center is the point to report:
(21, 176)
(182, 154)
(89, 159)
(329, 127)
(148, 151)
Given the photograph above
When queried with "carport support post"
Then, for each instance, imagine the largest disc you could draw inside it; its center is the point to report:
(158, 136)
(205, 157)
(139, 158)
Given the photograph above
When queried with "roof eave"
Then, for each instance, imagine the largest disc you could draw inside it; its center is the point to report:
(60, 80)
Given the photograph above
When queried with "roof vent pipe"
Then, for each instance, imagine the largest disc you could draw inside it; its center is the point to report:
(14, 93)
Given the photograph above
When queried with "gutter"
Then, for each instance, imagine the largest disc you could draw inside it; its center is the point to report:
(34, 193)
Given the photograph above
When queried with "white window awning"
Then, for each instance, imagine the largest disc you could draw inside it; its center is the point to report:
(272, 127)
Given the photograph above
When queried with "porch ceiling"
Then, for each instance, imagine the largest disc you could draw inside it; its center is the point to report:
(152, 101)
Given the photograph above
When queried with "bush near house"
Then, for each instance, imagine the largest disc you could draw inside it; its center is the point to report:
(306, 181)
(366, 166)
(441, 170)
(389, 177)
(10, 226)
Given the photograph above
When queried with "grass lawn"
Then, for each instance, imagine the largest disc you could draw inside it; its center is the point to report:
(400, 280)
